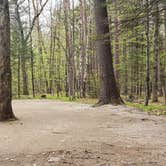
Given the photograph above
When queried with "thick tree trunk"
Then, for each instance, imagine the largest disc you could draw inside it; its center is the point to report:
(109, 92)
(5, 71)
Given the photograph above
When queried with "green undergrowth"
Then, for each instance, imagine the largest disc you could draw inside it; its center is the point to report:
(61, 98)
(156, 109)
(49, 97)
(152, 108)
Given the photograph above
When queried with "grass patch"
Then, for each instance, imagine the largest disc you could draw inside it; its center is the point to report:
(61, 98)
(156, 109)
(50, 97)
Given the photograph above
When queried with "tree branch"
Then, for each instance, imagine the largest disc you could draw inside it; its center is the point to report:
(34, 20)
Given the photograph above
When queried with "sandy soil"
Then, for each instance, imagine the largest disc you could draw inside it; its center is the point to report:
(53, 133)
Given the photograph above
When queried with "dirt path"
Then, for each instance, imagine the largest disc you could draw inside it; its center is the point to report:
(70, 134)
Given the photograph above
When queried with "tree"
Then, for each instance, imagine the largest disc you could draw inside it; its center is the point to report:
(109, 92)
(55, 52)
(23, 49)
(42, 72)
(83, 45)
(31, 53)
(156, 54)
(69, 50)
(147, 55)
(116, 36)
(163, 70)
(6, 112)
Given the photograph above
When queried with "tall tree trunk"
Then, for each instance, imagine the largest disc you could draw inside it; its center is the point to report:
(52, 54)
(163, 71)
(23, 50)
(6, 112)
(116, 46)
(109, 92)
(125, 88)
(42, 70)
(156, 55)
(147, 55)
(69, 51)
(31, 53)
(18, 76)
(83, 49)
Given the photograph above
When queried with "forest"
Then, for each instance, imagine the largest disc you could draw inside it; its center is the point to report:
(83, 53)
(54, 50)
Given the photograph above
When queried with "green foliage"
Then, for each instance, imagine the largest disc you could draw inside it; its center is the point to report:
(50, 62)
(93, 86)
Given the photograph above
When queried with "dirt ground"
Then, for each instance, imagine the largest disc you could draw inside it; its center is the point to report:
(54, 133)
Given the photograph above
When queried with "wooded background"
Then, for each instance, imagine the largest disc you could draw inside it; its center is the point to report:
(53, 48)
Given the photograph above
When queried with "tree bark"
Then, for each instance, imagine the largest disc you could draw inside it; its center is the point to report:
(6, 112)
(23, 47)
(116, 45)
(31, 53)
(83, 48)
(109, 92)
(69, 51)
(156, 55)
(42, 71)
(147, 56)
(163, 71)
(125, 87)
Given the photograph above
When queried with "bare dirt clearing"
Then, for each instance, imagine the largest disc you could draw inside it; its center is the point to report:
(57, 133)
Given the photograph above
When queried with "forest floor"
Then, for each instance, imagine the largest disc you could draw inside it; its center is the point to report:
(55, 133)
